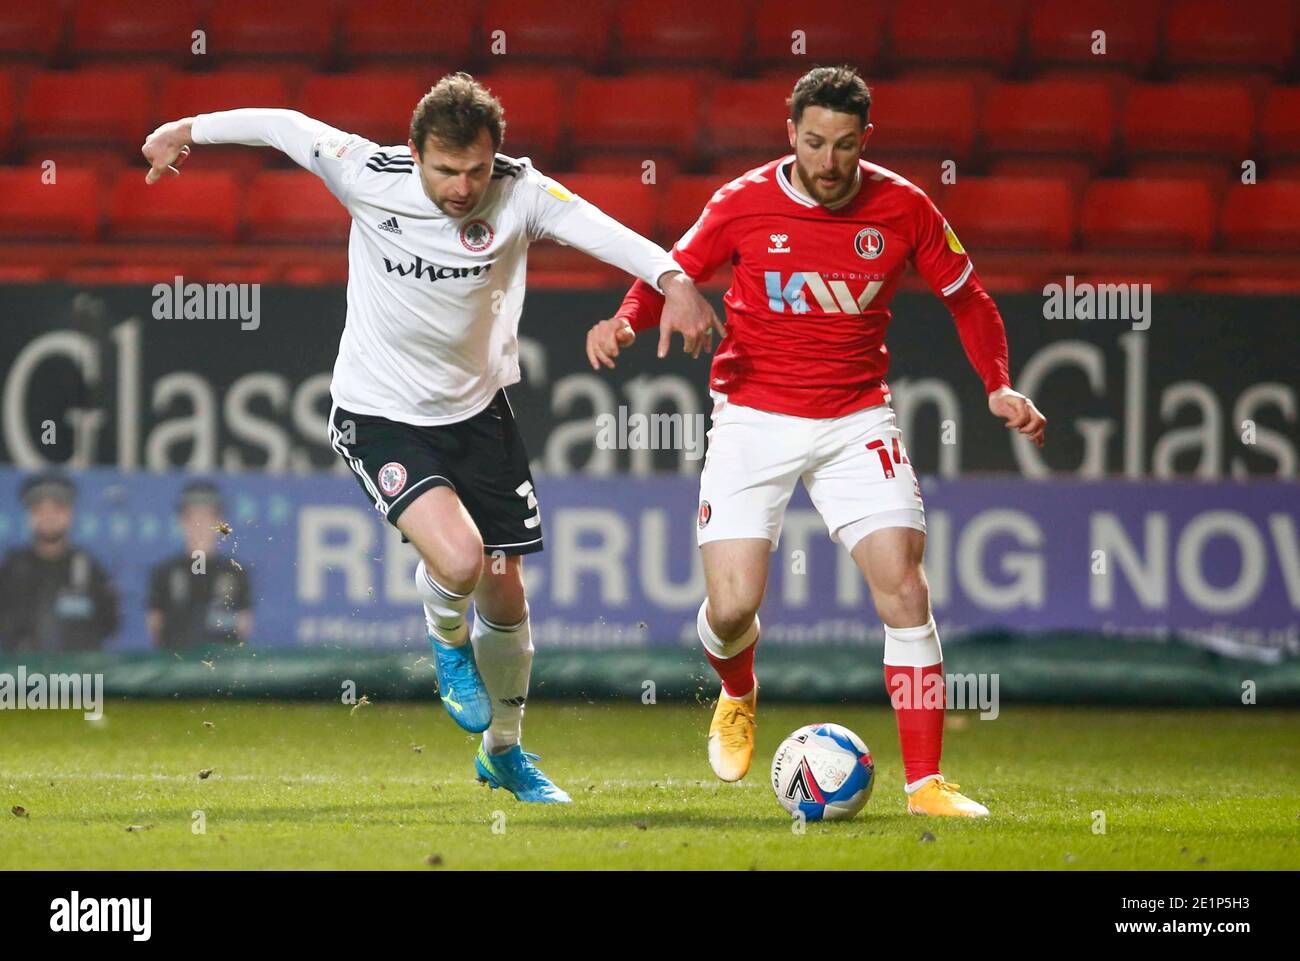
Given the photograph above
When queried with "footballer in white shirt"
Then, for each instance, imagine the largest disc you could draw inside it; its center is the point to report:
(436, 274)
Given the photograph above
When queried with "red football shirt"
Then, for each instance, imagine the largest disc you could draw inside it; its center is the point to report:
(808, 306)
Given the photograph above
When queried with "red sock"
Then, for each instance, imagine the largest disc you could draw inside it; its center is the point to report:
(737, 672)
(918, 697)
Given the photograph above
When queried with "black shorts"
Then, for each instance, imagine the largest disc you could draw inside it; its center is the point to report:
(481, 459)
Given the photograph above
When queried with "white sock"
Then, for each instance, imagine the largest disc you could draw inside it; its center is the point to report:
(915, 786)
(913, 646)
(444, 610)
(714, 644)
(504, 655)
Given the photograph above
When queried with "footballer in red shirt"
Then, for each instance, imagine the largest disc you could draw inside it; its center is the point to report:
(818, 242)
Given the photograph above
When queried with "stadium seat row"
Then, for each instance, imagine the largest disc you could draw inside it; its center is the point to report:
(1003, 35)
(993, 213)
(1093, 122)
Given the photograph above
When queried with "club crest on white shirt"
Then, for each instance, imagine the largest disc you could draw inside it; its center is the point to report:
(477, 236)
(392, 478)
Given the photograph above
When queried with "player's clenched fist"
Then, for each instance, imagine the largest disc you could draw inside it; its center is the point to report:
(1019, 412)
(605, 339)
(166, 149)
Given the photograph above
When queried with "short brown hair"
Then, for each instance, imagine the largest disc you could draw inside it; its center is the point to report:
(454, 111)
(836, 88)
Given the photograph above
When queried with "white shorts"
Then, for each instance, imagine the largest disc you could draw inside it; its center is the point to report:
(855, 468)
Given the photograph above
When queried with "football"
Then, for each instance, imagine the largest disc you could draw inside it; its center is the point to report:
(824, 771)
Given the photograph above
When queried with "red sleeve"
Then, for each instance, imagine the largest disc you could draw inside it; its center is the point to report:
(944, 264)
(700, 252)
(982, 332)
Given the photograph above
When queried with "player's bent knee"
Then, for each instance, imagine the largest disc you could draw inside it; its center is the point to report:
(731, 618)
(457, 570)
(905, 601)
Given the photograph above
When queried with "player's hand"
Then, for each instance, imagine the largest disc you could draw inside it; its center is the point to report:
(1019, 412)
(606, 339)
(686, 312)
(166, 149)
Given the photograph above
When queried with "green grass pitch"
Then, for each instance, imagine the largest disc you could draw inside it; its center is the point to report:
(297, 785)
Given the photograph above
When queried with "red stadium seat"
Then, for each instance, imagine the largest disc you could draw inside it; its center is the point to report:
(1196, 119)
(1262, 217)
(683, 31)
(626, 199)
(187, 94)
(1076, 173)
(1064, 117)
(1214, 173)
(985, 32)
(924, 172)
(535, 118)
(747, 115)
(196, 206)
(923, 116)
(284, 30)
(834, 31)
(384, 31)
(627, 165)
(1210, 33)
(30, 31)
(568, 31)
(375, 104)
(106, 162)
(1011, 213)
(293, 206)
(67, 209)
(158, 29)
(1279, 124)
(8, 111)
(1149, 215)
(686, 199)
(105, 107)
(631, 112)
(1061, 33)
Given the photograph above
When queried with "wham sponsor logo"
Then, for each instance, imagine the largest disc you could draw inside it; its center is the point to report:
(433, 272)
(832, 296)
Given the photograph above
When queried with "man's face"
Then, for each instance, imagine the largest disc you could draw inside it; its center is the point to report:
(51, 519)
(199, 524)
(827, 145)
(455, 179)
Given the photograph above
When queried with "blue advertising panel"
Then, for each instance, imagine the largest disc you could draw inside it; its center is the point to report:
(1219, 561)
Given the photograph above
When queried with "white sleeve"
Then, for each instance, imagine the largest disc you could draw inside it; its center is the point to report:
(555, 214)
(334, 156)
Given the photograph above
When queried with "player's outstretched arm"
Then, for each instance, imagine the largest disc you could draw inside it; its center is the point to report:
(292, 133)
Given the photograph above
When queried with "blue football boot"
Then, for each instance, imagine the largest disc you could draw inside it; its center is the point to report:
(515, 771)
(460, 687)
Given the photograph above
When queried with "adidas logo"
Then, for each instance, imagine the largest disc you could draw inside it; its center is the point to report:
(391, 225)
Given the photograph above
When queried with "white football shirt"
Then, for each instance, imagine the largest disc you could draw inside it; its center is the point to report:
(433, 301)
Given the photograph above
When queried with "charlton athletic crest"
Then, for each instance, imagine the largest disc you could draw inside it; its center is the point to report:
(477, 236)
(706, 512)
(392, 478)
(869, 243)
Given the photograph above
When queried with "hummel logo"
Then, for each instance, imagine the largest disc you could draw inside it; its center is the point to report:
(391, 225)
